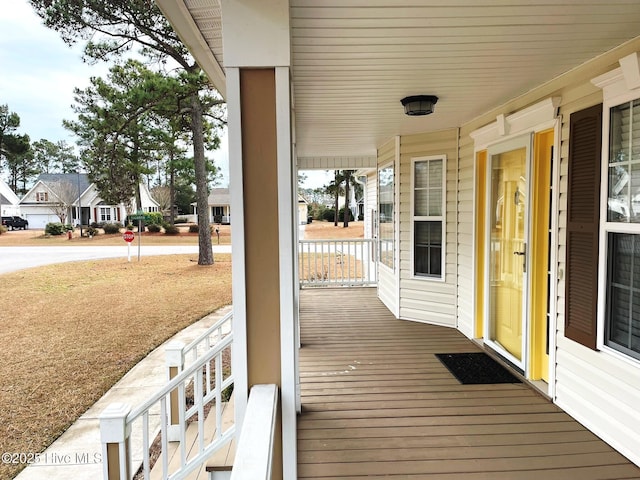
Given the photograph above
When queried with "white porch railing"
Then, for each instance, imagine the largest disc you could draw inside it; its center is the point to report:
(325, 263)
(124, 431)
(208, 338)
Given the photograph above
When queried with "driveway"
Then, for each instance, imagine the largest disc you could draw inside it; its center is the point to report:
(19, 258)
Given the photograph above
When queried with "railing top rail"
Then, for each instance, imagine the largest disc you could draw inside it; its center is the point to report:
(207, 332)
(181, 377)
(345, 240)
(254, 452)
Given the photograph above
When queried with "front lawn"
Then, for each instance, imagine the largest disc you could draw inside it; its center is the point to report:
(68, 332)
(37, 238)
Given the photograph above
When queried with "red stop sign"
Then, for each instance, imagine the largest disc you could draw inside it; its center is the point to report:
(128, 236)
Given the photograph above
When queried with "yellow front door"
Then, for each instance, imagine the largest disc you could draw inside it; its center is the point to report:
(507, 263)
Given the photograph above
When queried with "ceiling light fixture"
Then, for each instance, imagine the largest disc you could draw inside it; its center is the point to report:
(417, 105)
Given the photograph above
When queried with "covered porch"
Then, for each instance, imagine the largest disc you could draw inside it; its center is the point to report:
(377, 402)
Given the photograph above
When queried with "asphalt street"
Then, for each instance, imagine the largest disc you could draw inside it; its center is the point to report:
(19, 258)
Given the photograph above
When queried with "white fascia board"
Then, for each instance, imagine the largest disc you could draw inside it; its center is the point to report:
(337, 163)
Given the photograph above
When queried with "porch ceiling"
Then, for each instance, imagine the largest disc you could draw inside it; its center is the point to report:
(353, 60)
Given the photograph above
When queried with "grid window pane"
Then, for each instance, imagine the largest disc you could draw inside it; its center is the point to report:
(623, 200)
(623, 315)
(435, 173)
(421, 172)
(428, 248)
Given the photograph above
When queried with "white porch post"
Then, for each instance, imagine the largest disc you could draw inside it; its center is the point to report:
(174, 361)
(257, 62)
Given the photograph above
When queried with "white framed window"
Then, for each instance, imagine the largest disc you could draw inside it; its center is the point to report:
(105, 214)
(622, 229)
(386, 216)
(428, 211)
(619, 252)
(42, 196)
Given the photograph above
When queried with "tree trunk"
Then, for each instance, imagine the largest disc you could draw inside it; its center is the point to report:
(135, 157)
(205, 255)
(347, 178)
(172, 191)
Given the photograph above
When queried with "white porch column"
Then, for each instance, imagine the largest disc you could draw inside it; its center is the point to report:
(257, 62)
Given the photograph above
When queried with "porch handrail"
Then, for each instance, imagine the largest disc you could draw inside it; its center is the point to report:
(254, 454)
(116, 430)
(217, 328)
(337, 262)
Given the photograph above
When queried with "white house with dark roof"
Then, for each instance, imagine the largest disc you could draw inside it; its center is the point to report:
(9, 201)
(40, 204)
(219, 202)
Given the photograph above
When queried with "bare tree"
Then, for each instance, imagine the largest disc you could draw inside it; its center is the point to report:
(162, 195)
(65, 194)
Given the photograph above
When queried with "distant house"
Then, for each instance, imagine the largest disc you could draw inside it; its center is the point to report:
(46, 201)
(9, 201)
(219, 203)
(303, 210)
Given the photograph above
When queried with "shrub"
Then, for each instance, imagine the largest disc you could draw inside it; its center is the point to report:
(68, 228)
(154, 228)
(194, 229)
(3, 229)
(111, 228)
(180, 220)
(54, 228)
(328, 214)
(95, 225)
(153, 218)
(171, 230)
(92, 231)
(130, 226)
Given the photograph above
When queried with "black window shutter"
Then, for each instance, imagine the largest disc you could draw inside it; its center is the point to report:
(583, 218)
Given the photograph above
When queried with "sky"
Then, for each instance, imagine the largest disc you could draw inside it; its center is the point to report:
(38, 73)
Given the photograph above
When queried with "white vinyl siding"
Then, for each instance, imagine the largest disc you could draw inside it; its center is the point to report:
(420, 300)
(597, 388)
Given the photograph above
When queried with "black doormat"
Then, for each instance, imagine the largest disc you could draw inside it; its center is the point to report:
(476, 368)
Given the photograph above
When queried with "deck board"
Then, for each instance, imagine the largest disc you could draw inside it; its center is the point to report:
(377, 403)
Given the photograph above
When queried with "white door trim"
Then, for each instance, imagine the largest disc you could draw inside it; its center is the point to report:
(509, 145)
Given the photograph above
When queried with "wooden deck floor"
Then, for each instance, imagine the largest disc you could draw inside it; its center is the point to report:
(377, 403)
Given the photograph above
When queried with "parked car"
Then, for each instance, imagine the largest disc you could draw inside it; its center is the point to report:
(15, 223)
